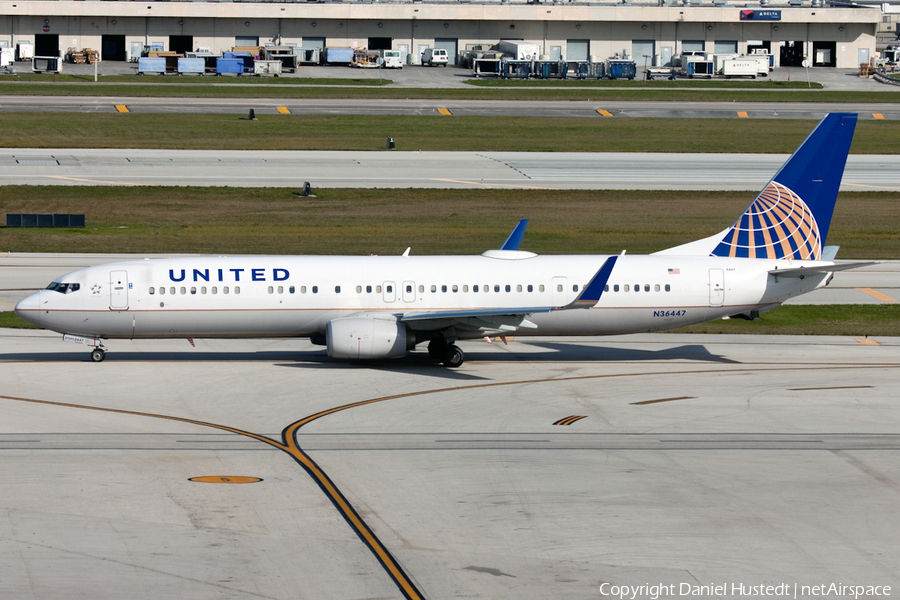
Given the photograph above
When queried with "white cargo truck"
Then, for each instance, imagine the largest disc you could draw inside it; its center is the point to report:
(519, 50)
(762, 63)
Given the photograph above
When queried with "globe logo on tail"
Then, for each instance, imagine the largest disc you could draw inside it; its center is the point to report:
(778, 224)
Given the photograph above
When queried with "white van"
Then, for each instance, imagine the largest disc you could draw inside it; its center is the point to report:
(391, 59)
(435, 56)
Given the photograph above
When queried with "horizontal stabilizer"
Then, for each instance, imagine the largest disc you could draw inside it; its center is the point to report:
(818, 269)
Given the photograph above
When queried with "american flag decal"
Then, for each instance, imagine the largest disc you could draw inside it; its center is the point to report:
(674, 271)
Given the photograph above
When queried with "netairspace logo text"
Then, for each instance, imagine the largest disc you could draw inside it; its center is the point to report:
(784, 590)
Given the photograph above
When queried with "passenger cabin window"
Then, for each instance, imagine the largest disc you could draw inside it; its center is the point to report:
(646, 287)
(444, 289)
(271, 290)
(497, 288)
(337, 289)
(475, 288)
(421, 289)
(530, 288)
(466, 289)
(409, 289)
(359, 289)
(540, 288)
(152, 291)
(433, 289)
(291, 289)
(616, 288)
(668, 288)
(194, 290)
(455, 289)
(214, 290)
(368, 289)
(508, 288)
(559, 287)
(315, 289)
(656, 288)
(626, 288)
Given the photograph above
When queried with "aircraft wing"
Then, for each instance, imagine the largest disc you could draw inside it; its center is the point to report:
(818, 269)
(507, 318)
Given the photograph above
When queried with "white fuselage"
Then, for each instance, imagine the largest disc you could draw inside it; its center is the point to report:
(296, 296)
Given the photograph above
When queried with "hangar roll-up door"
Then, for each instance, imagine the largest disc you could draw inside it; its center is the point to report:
(726, 47)
(693, 46)
(577, 49)
(46, 44)
(642, 53)
(181, 43)
(450, 45)
(381, 43)
(313, 42)
(112, 47)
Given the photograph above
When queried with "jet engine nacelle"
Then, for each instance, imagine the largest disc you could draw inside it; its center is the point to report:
(365, 337)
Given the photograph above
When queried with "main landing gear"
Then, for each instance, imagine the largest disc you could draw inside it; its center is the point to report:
(98, 354)
(449, 354)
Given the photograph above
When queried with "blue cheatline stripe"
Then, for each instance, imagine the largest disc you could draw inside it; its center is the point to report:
(594, 289)
(515, 238)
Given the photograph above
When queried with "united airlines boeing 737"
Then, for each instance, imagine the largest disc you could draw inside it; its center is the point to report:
(373, 307)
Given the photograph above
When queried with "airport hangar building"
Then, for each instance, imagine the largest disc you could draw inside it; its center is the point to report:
(651, 34)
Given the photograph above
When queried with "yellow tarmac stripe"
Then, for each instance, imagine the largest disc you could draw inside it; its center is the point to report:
(122, 108)
(742, 114)
(604, 113)
(236, 479)
(284, 110)
(662, 400)
(878, 295)
(866, 341)
(445, 112)
(878, 115)
(570, 420)
(839, 387)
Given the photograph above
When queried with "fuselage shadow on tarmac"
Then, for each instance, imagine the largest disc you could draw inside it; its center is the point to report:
(570, 352)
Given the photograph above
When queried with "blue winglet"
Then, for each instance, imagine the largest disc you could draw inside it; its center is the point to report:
(790, 218)
(515, 238)
(591, 293)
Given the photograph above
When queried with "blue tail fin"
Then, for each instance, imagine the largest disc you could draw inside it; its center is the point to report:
(791, 216)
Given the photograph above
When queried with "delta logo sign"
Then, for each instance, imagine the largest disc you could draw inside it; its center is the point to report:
(760, 15)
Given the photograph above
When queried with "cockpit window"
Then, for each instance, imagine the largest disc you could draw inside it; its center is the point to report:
(64, 288)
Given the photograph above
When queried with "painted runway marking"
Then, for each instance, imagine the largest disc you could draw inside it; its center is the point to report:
(284, 110)
(122, 108)
(446, 112)
(662, 400)
(93, 180)
(878, 295)
(236, 479)
(506, 185)
(878, 115)
(866, 341)
(742, 114)
(570, 420)
(604, 113)
(840, 387)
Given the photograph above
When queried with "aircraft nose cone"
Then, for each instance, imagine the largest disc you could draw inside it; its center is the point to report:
(29, 308)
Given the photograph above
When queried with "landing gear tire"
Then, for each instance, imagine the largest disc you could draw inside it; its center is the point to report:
(453, 357)
(437, 349)
(98, 354)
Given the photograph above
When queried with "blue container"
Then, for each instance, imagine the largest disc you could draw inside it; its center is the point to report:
(622, 69)
(191, 65)
(234, 66)
(151, 65)
(338, 55)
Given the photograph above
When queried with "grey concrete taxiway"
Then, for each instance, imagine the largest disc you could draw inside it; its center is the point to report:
(406, 169)
(22, 274)
(599, 108)
(552, 468)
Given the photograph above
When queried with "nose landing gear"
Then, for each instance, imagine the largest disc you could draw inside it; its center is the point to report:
(98, 354)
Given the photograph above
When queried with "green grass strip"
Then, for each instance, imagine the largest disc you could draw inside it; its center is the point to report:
(191, 80)
(591, 133)
(374, 92)
(857, 320)
(10, 320)
(219, 220)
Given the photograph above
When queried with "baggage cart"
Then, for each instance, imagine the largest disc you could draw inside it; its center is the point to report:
(516, 69)
(151, 65)
(590, 70)
(191, 65)
(267, 67)
(621, 69)
(308, 55)
(230, 66)
(46, 64)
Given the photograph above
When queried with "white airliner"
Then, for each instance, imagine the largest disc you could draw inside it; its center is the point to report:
(372, 307)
